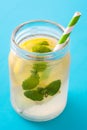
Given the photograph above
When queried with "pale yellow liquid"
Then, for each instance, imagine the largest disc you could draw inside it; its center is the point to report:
(29, 44)
(20, 69)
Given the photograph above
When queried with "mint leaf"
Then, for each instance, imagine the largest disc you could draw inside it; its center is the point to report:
(50, 89)
(31, 82)
(41, 66)
(34, 95)
(44, 43)
(53, 87)
(41, 49)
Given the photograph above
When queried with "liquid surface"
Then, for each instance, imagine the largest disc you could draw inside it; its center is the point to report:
(29, 44)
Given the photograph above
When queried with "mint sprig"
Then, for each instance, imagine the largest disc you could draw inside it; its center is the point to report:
(30, 84)
(40, 93)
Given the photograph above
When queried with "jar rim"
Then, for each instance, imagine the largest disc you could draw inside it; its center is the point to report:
(32, 54)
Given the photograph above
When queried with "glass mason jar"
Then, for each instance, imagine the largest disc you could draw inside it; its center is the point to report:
(47, 99)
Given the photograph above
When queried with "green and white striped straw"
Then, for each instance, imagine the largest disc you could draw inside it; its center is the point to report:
(68, 30)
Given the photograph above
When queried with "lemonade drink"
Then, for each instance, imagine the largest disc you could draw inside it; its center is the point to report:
(39, 85)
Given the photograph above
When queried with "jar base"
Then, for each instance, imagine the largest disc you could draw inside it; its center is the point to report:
(37, 119)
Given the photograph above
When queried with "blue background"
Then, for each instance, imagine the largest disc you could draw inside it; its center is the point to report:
(12, 13)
